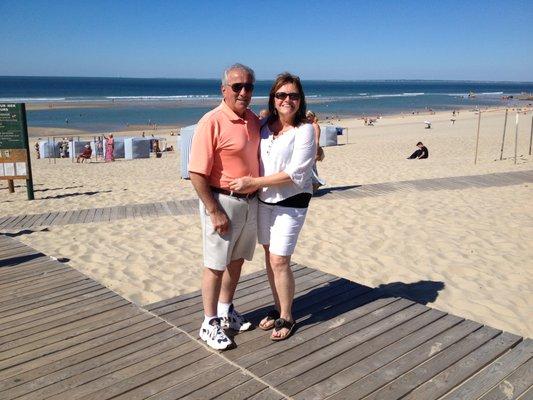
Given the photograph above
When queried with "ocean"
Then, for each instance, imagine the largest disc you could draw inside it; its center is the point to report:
(119, 102)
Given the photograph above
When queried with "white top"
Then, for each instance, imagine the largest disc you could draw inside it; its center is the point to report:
(293, 152)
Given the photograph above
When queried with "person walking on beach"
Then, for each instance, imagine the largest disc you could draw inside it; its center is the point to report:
(288, 151)
(109, 148)
(225, 146)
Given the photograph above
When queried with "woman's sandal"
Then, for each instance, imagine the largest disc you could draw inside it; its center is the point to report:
(279, 324)
(269, 320)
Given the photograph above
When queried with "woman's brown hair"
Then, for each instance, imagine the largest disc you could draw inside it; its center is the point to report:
(283, 79)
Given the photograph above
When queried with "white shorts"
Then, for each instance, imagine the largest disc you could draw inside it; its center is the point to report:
(239, 241)
(279, 227)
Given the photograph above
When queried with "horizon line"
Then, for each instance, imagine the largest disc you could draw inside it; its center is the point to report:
(266, 80)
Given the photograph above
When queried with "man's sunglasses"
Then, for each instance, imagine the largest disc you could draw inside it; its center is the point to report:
(237, 87)
(283, 96)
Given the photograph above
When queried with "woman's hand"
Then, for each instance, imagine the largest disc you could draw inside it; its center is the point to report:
(246, 184)
(319, 154)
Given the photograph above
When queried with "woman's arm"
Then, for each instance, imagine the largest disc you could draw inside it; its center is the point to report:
(247, 184)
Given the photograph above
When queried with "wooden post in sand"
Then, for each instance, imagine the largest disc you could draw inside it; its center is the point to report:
(503, 137)
(516, 139)
(531, 135)
(477, 136)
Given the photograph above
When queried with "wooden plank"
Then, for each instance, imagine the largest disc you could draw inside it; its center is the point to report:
(59, 215)
(308, 309)
(91, 370)
(73, 217)
(356, 353)
(25, 333)
(391, 371)
(36, 312)
(458, 373)
(21, 289)
(267, 394)
(244, 391)
(359, 369)
(183, 382)
(52, 272)
(21, 222)
(176, 360)
(113, 213)
(81, 216)
(64, 219)
(514, 385)
(106, 214)
(491, 375)
(129, 211)
(98, 215)
(435, 365)
(56, 297)
(21, 285)
(121, 212)
(51, 217)
(127, 327)
(215, 389)
(90, 216)
(351, 305)
(44, 294)
(322, 348)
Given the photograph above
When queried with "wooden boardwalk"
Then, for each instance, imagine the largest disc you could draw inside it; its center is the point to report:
(64, 336)
(190, 206)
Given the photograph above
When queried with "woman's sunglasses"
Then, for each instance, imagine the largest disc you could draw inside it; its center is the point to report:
(283, 96)
(237, 87)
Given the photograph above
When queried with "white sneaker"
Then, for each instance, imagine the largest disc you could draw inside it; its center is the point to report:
(235, 321)
(214, 336)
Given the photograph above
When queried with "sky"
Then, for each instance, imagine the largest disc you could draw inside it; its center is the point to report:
(333, 39)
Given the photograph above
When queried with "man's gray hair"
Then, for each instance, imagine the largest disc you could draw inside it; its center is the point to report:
(237, 67)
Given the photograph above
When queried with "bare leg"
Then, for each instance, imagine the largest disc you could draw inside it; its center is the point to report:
(265, 324)
(211, 283)
(230, 280)
(284, 283)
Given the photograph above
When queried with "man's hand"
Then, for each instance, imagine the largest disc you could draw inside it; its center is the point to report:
(246, 184)
(220, 221)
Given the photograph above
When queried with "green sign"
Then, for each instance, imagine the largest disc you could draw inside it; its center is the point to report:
(11, 126)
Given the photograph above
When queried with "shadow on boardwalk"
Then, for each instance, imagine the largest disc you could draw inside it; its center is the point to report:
(339, 296)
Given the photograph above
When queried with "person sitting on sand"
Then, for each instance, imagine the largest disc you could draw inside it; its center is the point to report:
(422, 152)
(86, 154)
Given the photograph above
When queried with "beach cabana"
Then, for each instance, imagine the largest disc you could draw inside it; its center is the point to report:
(136, 148)
(119, 147)
(48, 149)
(328, 135)
(76, 147)
(184, 144)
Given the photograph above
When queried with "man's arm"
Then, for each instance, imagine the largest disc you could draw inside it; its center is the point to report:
(219, 219)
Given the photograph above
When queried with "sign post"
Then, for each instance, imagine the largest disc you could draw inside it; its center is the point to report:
(14, 145)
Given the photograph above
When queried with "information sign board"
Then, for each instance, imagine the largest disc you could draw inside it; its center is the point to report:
(14, 145)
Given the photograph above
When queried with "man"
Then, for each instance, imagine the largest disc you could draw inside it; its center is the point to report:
(422, 152)
(226, 146)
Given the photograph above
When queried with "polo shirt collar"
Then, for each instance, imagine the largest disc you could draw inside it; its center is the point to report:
(231, 114)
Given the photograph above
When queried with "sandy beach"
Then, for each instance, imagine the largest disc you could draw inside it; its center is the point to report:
(471, 247)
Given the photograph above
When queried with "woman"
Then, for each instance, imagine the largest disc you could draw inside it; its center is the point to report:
(285, 188)
(313, 120)
(109, 148)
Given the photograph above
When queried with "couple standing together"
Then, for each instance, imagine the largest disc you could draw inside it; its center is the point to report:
(254, 181)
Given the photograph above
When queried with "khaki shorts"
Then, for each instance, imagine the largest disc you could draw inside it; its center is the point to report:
(239, 241)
